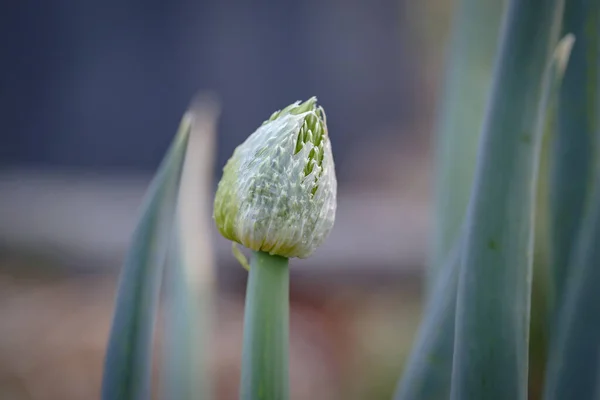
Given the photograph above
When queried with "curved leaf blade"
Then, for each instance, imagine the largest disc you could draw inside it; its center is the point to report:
(574, 359)
(574, 364)
(127, 364)
(429, 367)
(577, 126)
(191, 272)
(467, 83)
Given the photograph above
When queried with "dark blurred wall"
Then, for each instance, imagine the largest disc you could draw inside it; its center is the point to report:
(101, 85)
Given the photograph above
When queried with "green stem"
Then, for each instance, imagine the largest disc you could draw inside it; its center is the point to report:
(265, 364)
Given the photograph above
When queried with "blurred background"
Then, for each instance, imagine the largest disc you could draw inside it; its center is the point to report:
(91, 94)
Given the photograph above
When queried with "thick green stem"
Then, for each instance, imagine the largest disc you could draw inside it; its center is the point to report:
(265, 359)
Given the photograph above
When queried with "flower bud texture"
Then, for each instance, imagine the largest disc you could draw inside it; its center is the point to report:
(278, 190)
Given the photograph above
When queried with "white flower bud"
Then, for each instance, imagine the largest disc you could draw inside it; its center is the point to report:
(278, 190)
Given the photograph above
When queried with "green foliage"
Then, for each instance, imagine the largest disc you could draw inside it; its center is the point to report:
(492, 338)
(494, 290)
(127, 364)
(186, 369)
(429, 368)
(575, 146)
(574, 363)
(468, 78)
(190, 278)
(471, 351)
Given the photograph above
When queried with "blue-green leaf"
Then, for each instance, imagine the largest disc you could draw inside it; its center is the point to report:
(127, 364)
(428, 371)
(467, 82)
(573, 146)
(494, 290)
(574, 359)
(191, 273)
(429, 367)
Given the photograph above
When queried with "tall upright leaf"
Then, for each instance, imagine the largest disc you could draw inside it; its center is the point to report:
(127, 365)
(467, 82)
(573, 158)
(574, 362)
(191, 273)
(429, 368)
(494, 290)
(541, 296)
(541, 292)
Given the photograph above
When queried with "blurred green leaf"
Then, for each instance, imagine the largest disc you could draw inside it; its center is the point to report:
(467, 83)
(540, 309)
(191, 273)
(574, 360)
(573, 157)
(574, 363)
(494, 290)
(188, 322)
(429, 367)
(428, 371)
(127, 365)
